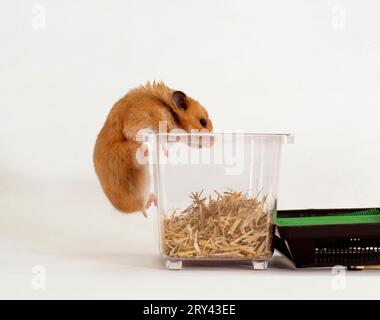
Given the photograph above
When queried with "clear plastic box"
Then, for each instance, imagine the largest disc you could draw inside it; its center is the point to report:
(216, 195)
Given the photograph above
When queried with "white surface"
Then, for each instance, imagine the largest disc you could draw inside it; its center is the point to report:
(310, 68)
(89, 251)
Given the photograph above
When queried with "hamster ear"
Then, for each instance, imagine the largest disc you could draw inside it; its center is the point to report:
(179, 99)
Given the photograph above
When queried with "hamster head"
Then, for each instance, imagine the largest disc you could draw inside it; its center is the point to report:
(189, 113)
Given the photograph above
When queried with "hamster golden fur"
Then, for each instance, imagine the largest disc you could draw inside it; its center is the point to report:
(123, 179)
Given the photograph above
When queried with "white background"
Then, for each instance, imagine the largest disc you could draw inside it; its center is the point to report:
(311, 68)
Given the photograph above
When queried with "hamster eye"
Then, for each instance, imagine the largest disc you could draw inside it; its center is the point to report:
(203, 122)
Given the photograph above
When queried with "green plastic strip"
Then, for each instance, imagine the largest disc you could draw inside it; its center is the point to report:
(364, 216)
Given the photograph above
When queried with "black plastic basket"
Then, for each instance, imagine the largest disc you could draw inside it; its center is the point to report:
(329, 237)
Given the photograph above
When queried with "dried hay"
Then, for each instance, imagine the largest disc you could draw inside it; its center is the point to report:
(232, 225)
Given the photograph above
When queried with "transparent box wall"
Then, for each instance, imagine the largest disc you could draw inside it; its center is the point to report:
(216, 195)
